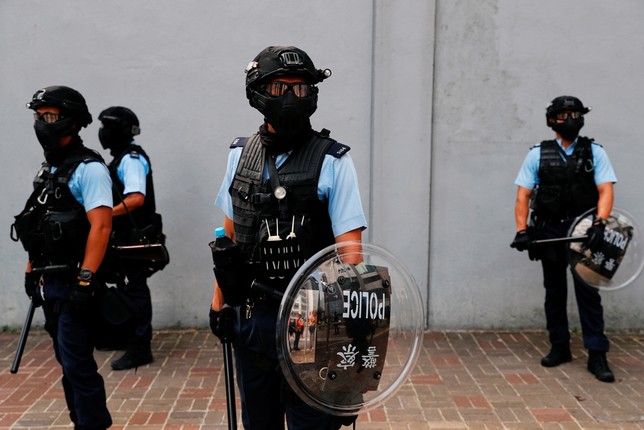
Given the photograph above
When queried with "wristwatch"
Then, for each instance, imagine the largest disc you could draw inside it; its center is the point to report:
(85, 276)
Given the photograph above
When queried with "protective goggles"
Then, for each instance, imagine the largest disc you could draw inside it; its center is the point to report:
(278, 89)
(48, 117)
(562, 116)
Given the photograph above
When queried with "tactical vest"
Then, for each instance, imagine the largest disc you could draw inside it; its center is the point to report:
(566, 183)
(53, 226)
(280, 234)
(144, 216)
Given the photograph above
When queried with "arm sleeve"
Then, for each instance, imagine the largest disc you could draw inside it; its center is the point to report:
(132, 172)
(528, 176)
(338, 186)
(223, 200)
(603, 168)
(91, 185)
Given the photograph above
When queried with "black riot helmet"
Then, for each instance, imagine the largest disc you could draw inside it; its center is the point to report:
(118, 126)
(70, 102)
(50, 130)
(289, 112)
(565, 115)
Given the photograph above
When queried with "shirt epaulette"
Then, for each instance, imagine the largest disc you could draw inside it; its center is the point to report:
(239, 142)
(135, 154)
(338, 149)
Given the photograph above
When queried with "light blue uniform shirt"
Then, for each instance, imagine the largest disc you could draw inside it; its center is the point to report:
(132, 172)
(337, 186)
(91, 185)
(528, 176)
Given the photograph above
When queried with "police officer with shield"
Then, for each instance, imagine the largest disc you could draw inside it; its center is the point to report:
(559, 180)
(65, 228)
(289, 191)
(135, 219)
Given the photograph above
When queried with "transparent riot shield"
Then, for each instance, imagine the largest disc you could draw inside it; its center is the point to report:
(617, 261)
(363, 324)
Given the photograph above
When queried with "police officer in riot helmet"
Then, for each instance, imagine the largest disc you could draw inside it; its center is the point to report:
(65, 228)
(559, 180)
(286, 180)
(134, 214)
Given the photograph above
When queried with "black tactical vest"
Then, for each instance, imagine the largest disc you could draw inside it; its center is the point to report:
(53, 226)
(294, 227)
(143, 216)
(566, 183)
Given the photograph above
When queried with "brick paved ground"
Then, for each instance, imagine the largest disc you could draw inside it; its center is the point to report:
(463, 380)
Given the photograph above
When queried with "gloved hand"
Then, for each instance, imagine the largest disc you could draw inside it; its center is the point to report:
(214, 322)
(595, 234)
(522, 240)
(31, 288)
(82, 292)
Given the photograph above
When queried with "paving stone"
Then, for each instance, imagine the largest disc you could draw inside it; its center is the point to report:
(462, 380)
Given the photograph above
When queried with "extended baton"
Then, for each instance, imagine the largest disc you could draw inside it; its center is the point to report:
(560, 239)
(22, 342)
(226, 324)
(23, 338)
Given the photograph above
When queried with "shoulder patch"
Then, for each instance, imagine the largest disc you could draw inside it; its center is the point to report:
(134, 154)
(239, 142)
(338, 149)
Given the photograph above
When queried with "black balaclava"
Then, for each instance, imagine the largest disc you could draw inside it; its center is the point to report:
(278, 144)
(569, 129)
(58, 156)
(50, 134)
(113, 137)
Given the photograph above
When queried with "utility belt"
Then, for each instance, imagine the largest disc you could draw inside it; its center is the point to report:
(540, 221)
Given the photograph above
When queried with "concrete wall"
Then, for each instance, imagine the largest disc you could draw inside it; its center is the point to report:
(497, 65)
(439, 100)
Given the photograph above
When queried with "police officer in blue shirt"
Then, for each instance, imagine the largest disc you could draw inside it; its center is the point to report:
(65, 228)
(134, 214)
(285, 181)
(559, 180)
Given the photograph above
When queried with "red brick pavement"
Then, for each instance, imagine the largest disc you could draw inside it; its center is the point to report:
(463, 380)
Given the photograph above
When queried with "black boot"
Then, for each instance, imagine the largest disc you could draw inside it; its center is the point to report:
(558, 354)
(133, 358)
(598, 366)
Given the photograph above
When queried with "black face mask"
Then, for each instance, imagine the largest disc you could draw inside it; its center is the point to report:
(569, 129)
(50, 134)
(114, 139)
(289, 115)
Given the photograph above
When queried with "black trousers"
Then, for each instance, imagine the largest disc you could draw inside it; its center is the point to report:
(554, 262)
(138, 291)
(73, 339)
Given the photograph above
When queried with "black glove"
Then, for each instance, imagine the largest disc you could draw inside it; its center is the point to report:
(595, 234)
(522, 240)
(214, 322)
(31, 288)
(82, 292)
